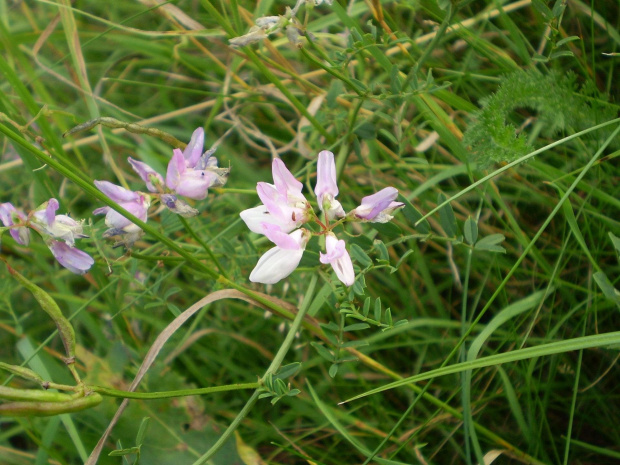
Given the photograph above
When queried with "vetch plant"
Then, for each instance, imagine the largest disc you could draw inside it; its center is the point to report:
(285, 209)
(190, 174)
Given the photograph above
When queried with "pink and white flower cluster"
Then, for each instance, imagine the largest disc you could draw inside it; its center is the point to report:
(285, 210)
(190, 174)
(58, 231)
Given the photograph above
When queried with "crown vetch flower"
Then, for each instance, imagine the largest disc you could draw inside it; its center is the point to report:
(283, 203)
(62, 227)
(54, 229)
(338, 257)
(190, 173)
(280, 261)
(135, 203)
(10, 216)
(378, 208)
(151, 178)
(326, 188)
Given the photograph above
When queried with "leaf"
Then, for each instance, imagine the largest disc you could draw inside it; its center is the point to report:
(446, 216)
(566, 40)
(615, 241)
(142, 431)
(366, 308)
(247, 454)
(360, 256)
(333, 370)
(402, 259)
(323, 351)
(489, 243)
(608, 289)
(470, 230)
(356, 327)
(123, 452)
(382, 249)
(378, 309)
(288, 370)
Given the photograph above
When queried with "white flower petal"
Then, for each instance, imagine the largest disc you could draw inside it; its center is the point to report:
(275, 264)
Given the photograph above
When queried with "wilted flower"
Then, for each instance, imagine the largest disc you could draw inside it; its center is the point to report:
(61, 227)
(378, 208)
(54, 229)
(135, 203)
(10, 216)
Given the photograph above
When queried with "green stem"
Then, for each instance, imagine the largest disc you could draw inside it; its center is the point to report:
(329, 70)
(168, 394)
(204, 245)
(273, 367)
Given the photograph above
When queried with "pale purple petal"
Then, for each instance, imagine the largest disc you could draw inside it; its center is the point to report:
(5, 213)
(338, 257)
(325, 178)
(194, 184)
(73, 259)
(101, 211)
(374, 204)
(20, 235)
(270, 197)
(286, 184)
(255, 217)
(50, 210)
(146, 173)
(280, 238)
(193, 151)
(275, 264)
(116, 193)
(176, 167)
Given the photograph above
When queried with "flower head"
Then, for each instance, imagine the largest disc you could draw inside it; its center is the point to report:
(59, 232)
(10, 216)
(283, 203)
(326, 188)
(45, 221)
(378, 208)
(135, 203)
(190, 173)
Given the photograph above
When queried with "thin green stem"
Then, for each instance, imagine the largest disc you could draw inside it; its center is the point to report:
(273, 367)
(105, 391)
(204, 245)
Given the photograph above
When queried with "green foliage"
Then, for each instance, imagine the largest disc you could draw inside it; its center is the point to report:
(492, 136)
(494, 316)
